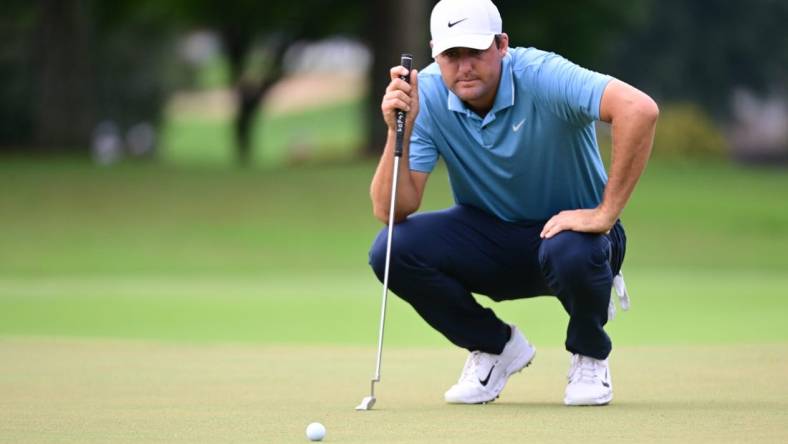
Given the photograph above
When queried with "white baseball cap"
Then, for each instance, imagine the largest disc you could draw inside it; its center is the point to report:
(464, 23)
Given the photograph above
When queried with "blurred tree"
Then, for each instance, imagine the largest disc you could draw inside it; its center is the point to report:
(65, 103)
(702, 51)
(44, 70)
(393, 28)
(17, 24)
(245, 25)
(580, 30)
(67, 64)
(389, 28)
(133, 46)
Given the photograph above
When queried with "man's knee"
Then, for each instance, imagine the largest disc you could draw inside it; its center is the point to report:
(408, 250)
(377, 253)
(571, 254)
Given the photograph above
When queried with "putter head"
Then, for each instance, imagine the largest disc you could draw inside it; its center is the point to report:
(366, 403)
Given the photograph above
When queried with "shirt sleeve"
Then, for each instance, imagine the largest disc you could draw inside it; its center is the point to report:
(423, 153)
(572, 92)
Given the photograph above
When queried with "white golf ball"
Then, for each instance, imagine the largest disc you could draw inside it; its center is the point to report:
(315, 431)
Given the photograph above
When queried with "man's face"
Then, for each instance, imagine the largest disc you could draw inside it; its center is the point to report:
(473, 74)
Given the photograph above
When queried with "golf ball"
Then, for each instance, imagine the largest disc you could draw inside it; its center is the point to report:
(315, 431)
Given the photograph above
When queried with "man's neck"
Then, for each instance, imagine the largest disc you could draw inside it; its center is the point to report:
(482, 109)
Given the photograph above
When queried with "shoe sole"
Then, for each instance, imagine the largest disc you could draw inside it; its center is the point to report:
(605, 400)
(516, 367)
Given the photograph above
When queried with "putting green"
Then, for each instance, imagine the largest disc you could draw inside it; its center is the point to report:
(55, 390)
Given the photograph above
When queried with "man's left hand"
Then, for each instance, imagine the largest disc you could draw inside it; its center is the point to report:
(584, 221)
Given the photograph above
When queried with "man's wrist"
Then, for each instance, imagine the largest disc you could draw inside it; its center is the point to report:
(607, 215)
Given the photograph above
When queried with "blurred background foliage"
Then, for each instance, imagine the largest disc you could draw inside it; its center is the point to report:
(276, 82)
(686, 132)
(126, 215)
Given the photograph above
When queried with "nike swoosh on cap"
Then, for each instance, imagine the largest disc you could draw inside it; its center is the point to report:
(458, 21)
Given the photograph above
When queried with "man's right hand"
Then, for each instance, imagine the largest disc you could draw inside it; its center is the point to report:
(401, 95)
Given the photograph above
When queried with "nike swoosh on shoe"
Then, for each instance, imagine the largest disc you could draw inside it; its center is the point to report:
(487, 379)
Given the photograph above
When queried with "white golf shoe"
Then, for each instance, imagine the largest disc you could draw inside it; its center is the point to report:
(485, 374)
(589, 382)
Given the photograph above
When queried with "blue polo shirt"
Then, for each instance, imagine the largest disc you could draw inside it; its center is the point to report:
(534, 154)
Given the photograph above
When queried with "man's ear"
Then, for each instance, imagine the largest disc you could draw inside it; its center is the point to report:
(504, 43)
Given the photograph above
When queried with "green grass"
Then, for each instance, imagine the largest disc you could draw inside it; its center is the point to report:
(714, 216)
(279, 256)
(341, 308)
(332, 132)
(153, 303)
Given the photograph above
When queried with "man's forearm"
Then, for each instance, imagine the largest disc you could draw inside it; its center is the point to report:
(408, 197)
(633, 137)
(634, 116)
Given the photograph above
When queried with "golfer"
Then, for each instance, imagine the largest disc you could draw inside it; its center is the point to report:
(535, 212)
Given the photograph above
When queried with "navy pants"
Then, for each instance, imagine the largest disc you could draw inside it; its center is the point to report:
(439, 258)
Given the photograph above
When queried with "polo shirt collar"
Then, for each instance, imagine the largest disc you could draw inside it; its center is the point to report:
(504, 98)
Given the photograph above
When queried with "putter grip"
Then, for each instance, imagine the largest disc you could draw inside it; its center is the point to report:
(407, 62)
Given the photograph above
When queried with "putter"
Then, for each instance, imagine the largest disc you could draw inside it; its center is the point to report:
(369, 401)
